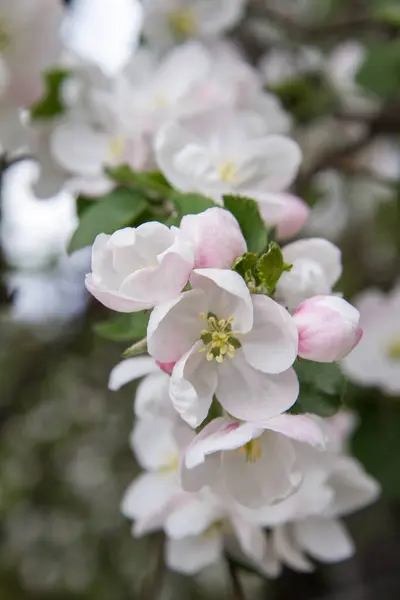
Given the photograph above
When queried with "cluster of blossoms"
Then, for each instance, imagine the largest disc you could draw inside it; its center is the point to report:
(215, 426)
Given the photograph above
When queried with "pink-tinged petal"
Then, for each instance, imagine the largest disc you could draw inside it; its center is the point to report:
(192, 554)
(272, 345)
(289, 551)
(192, 385)
(220, 434)
(269, 478)
(287, 213)
(326, 540)
(227, 294)
(252, 538)
(129, 370)
(113, 299)
(252, 396)
(176, 325)
(216, 237)
(328, 328)
(301, 428)
(167, 367)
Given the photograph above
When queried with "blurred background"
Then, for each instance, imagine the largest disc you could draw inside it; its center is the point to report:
(64, 454)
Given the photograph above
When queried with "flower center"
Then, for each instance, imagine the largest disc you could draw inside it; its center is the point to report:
(171, 464)
(393, 350)
(252, 451)
(217, 528)
(227, 171)
(116, 147)
(219, 339)
(183, 22)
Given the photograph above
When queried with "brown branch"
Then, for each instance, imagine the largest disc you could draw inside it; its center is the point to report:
(237, 588)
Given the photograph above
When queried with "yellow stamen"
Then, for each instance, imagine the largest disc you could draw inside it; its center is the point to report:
(393, 350)
(183, 22)
(171, 464)
(252, 451)
(116, 147)
(227, 171)
(219, 339)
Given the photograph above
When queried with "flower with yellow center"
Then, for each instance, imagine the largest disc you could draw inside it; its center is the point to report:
(227, 171)
(183, 22)
(252, 451)
(219, 339)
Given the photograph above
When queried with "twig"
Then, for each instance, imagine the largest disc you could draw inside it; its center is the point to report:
(237, 588)
(154, 579)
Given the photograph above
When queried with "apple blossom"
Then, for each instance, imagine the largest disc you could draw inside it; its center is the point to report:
(136, 268)
(216, 237)
(285, 212)
(226, 152)
(328, 328)
(169, 20)
(225, 342)
(376, 360)
(316, 268)
(255, 462)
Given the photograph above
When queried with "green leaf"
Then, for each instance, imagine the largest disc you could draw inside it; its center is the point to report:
(123, 327)
(152, 183)
(51, 104)
(245, 264)
(136, 349)
(388, 13)
(321, 388)
(270, 267)
(191, 204)
(251, 223)
(117, 209)
(380, 72)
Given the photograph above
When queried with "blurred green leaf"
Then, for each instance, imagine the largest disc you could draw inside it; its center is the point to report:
(191, 204)
(117, 209)
(151, 182)
(321, 388)
(124, 327)
(251, 223)
(389, 13)
(270, 267)
(380, 71)
(376, 442)
(51, 104)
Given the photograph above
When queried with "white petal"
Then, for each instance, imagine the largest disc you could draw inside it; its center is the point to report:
(192, 385)
(170, 140)
(272, 477)
(272, 345)
(323, 252)
(324, 539)
(289, 551)
(193, 517)
(176, 325)
(279, 159)
(227, 294)
(79, 148)
(250, 395)
(252, 538)
(146, 494)
(220, 434)
(353, 487)
(301, 428)
(114, 300)
(154, 444)
(192, 554)
(129, 370)
(152, 397)
(104, 33)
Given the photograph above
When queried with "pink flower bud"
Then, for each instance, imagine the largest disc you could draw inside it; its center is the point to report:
(285, 212)
(328, 328)
(167, 367)
(216, 237)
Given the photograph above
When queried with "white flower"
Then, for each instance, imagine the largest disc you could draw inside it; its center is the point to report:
(277, 65)
(255, 462)
(226, 342)
(376, 360)
(167, 21)
(225, 152)
(328, 328)
(103, 33)
(137, 268)
(316, 268)
(285, 212)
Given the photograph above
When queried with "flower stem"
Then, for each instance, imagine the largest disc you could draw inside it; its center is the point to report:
(237, 588)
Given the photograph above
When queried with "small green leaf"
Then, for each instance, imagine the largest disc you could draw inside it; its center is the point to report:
(51, 104)
(117, 209)
(136, 349)
(152, 183)
(321, 388)
(245, 264)
(380, 71)
(251, 223)
(271, 266)
(124, 327)
(191, 204)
